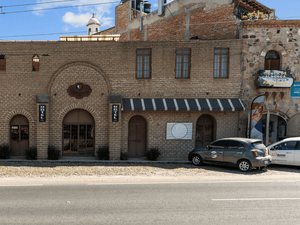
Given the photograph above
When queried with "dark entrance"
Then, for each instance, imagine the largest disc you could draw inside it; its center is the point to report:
(19, 135)
(205, 130)
(137, 132)
(277, 128)
(78, 133)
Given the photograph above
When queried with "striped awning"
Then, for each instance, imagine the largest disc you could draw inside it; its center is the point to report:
(180, 104)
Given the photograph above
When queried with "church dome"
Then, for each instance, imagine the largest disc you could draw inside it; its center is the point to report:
(93, 20)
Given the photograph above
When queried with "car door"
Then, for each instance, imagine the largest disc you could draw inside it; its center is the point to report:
(297, 154)
(234, 151)
(214, 152)
(283, 153)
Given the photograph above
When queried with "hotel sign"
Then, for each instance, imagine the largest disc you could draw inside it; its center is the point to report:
(274, 78)
(42, 113)
(115, 113)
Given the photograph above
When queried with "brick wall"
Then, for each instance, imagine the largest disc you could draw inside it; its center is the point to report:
(109, 69)
(205, 20)
(226, 125)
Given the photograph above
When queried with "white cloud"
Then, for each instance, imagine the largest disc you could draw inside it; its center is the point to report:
(76, 20)
(83, 11)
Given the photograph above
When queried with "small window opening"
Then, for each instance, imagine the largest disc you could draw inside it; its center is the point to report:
(35, 63)
(272, 60)
(2, 62)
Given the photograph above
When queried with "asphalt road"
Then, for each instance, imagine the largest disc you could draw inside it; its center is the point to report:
(238, 202)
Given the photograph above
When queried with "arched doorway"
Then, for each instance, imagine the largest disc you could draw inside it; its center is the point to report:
(137, 137)
(19, 135)
(277, 128)
(205, 130)
(78, 133)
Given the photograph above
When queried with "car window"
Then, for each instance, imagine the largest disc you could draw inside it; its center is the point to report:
(234, 144)
(297, 145)
(222, 143)
(290, 145)
(277, 147)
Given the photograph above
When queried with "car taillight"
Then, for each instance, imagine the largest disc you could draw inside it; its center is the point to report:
(254, 152)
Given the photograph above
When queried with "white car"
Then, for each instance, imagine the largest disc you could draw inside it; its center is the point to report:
(286, 151)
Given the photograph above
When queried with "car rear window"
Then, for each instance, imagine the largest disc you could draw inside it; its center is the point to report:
(259, 145)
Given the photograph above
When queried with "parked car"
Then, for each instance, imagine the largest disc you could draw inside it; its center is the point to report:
(286, 151)
(244, 153)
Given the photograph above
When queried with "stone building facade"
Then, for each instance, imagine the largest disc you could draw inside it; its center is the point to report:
(271, 53)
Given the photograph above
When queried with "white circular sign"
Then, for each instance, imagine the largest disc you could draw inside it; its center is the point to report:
(179, 130)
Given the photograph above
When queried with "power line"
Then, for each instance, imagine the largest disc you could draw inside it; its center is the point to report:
(44, 34)
(41, 3)
(60, 7)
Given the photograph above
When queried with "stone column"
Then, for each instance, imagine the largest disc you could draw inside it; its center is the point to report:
(115, 127)
(42, 127)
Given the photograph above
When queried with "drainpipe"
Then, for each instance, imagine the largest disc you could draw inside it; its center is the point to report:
(267, 127)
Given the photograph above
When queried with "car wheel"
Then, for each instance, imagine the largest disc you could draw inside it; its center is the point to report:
(196, 160)
(244, 165)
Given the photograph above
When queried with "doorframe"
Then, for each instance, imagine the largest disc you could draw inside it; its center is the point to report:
(93, 132)
(19, 126)
(214, 122)
(146, 133)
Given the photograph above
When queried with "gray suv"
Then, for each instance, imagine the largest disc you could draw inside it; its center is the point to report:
(244, 153)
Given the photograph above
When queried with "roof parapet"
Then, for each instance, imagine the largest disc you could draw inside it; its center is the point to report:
(107, 37)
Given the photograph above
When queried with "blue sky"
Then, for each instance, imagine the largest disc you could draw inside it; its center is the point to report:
(50, 24)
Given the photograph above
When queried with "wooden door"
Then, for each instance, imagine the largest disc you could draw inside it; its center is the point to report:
(205, 131)
(19, 135)
(137, 131)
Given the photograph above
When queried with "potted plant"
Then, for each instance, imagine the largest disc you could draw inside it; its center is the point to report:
(31, 153)
(103, 153)
(53, 152)
(4, 151)
(152, 154)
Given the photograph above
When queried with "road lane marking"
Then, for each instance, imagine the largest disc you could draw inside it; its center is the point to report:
(255, 199)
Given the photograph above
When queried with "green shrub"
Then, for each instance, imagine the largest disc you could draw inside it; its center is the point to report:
(152, 154)
(53, 152)
(4, 151)
(31, 153)
(103, 153)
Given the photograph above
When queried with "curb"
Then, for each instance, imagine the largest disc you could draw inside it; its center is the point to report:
(85, 162)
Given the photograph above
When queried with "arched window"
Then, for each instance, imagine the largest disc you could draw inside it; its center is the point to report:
(35, 63)
(272, 60)
(2, 62)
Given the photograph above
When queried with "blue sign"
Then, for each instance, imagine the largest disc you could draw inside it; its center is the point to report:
(295, 90)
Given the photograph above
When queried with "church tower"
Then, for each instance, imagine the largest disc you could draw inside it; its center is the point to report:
(93, 25)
